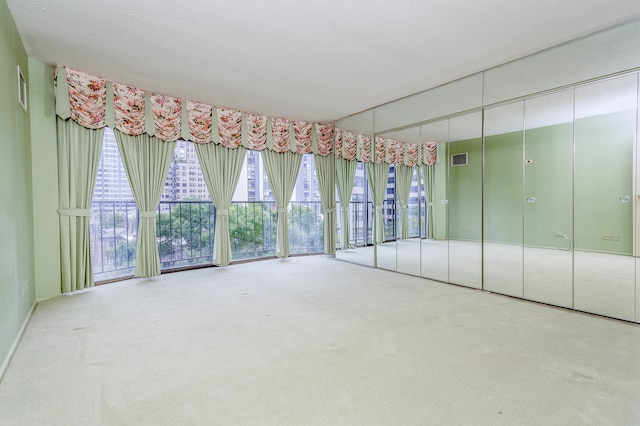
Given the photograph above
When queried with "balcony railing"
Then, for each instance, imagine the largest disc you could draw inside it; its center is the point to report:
(185, 232)
(361, 221)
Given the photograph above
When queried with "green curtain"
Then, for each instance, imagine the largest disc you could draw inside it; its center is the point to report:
(282, 172)
(221, 168)
(345, 176)
(325, 170)
(78, 158)
(428, 173)
(404, 177)
(146, 161)
(378, 176)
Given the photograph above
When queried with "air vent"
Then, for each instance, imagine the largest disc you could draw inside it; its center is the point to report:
(22, 90)
(459, 159)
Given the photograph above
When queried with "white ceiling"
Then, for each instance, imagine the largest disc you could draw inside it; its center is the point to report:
(317, 60)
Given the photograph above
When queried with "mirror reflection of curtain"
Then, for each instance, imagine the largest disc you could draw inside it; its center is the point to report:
(345, 177)
(404, 176)
(378, 176)
(428, 173)
(78, 158)
(282, 172)
(221, 169)
(325, 170)
(146, 161)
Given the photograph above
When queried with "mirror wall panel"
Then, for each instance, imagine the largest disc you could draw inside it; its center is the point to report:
(616, 49)
(353, 218)
(465, 199)
(503, 199)
(548, 182)
(540, 202)
(434, 248)
(408, 210)
(605, 132)
(636, 206)
(385, 244)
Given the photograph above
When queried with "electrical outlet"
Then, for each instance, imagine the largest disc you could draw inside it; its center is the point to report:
(559, 234)
(611, 237)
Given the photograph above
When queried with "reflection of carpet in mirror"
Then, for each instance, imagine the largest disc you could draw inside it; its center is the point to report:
(604, 283)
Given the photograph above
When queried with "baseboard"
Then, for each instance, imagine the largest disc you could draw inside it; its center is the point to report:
(7, 360)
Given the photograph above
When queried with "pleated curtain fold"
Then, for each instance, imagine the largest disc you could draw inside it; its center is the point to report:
(146, 161)
(221, 169)
(428, 173)
(378, 176)
(404, 177)
(282, 172)
(325, 170)
(78, 158)
(345, 176)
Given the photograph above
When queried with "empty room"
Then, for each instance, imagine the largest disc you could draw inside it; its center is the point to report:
(291, 213)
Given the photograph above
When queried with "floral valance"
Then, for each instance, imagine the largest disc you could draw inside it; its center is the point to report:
(356, 146)
(94, 102)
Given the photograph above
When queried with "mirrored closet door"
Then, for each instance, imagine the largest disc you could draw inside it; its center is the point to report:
(465, 199)
(434, 252)
(503, 199)
(408, 209)
(605, 136)
(548, 199)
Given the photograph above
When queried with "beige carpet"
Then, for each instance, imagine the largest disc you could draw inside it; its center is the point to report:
(313, 340)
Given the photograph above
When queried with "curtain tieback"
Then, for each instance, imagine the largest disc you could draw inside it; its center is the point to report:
(344, 209)
(222, 213)
(378, 208)
(75, 212)
(331, 210)
(282, 210)
(149, 214)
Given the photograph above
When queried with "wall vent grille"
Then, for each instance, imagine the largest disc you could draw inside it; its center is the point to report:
(460, 159)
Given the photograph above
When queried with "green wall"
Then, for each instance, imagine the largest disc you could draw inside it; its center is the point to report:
(16, 218)
(548, 177)
(440, 178)
(604, 173)
(46, 223)
(465, 192)
(503, 188)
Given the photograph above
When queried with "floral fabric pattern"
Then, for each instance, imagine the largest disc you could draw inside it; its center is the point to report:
(339, 133)
(412, 155)
(166, 116)
(365, 148)
(400, 151)
(380, 150)
(324, 136)
(200, 121)
(230, 127)
(350, 145)
(128, 105)
(303, 131)
(87, 99)
(257, 129)
(392, 151)
(430, 153)
(281, 134)
(87, 105)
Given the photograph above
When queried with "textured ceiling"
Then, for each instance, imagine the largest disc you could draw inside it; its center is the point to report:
(309, 60)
